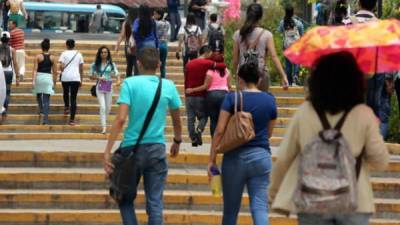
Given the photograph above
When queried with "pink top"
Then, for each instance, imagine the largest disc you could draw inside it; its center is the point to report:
(218, 82)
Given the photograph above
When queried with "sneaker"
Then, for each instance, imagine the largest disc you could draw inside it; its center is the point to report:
(72, 123)
(104, 130)
(199, 138)
(66, 111)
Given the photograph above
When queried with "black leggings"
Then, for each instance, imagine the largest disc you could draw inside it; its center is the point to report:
(131, 65)
(73, 87)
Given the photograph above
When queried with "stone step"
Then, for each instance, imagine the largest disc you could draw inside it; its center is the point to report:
(88, 54)
(85, 45)
(99, 199)
(92, 178)
(87, 98)
(121, 66)
(111, 216)
(92, 129)
(91, 159)
(26, 88)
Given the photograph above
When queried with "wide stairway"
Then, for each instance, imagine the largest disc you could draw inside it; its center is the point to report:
(69, 187)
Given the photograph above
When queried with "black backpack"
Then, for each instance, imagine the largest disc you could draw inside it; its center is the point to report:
(5, 56)
(215, 38)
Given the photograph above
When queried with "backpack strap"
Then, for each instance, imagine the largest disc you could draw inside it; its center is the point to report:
(341, 121)
(323, 119)
(255, 43)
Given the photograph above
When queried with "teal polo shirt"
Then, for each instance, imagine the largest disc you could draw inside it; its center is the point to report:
(138, 93)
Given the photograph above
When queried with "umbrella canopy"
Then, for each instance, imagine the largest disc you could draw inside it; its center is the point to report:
(375, 45)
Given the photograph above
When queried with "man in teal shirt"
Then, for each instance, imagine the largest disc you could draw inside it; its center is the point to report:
(136, 97)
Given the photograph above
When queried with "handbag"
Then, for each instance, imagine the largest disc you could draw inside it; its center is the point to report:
(94, 87)
(123, 179)
(240, 128)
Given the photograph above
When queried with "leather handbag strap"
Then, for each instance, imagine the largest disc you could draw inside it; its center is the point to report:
(149, 115)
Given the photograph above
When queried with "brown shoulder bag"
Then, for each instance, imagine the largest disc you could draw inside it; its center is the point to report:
(240, 128)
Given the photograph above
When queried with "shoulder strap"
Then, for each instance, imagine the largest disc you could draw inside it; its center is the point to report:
(149, 115)
(359, 162)
(323, 119)
(341, 121)
(104, 70)
(255, 43)
(70, 61)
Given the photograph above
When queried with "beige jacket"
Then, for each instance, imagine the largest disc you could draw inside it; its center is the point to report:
(360, 129)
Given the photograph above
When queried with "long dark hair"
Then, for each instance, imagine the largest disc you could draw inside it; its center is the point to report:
(218, 58)
(288, 22)
(146, 22)
(128, 23)
(190, 19)
(340, 11)
(253, 15)
(97, 62)
(336, 83)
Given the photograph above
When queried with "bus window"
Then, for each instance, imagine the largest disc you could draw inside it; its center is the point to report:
(52, 20)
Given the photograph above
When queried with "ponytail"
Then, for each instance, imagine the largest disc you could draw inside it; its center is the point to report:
(253, 15)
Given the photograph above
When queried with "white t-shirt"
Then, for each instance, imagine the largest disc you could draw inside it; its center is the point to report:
(71, 72)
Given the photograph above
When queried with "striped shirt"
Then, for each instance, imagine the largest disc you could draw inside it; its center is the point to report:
(17, 39)
(163, 30)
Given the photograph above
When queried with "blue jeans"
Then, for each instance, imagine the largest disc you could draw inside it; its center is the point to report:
(292, 70)
(384, 113)
(374, 92)
(214, 101)
(44, 106)
(151, 163)
(196, 109)
(175, 20)
(333, 219)
(248, 167)
(8, 77)
(163, 58)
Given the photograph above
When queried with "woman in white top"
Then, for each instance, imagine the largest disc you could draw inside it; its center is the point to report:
(8, 62)
(71, 67)
(248, 35)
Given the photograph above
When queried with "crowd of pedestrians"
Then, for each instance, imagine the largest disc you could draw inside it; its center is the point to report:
(335, 97)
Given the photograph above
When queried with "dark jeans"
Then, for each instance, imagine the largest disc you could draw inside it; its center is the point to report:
(201, 22)
(70, 94)
(384, 114)
(163, 58)
(374, 92)
(195, 109)
(5, 20)
(248, 167)
(9, 78)
(131, 65)
(151, 164)
(44, 106)
(175, 20)
(214, 101)
(397, 89)
(292, 71)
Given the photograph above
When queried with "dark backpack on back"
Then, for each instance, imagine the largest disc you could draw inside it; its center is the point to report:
(215, 38)
(5, 56)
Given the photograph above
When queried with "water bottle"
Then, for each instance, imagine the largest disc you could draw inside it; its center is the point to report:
(215, 181)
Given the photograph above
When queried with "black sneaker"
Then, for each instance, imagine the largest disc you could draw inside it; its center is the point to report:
(199, 138)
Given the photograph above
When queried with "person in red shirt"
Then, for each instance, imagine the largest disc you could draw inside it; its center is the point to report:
(195, 75)
(17, 42)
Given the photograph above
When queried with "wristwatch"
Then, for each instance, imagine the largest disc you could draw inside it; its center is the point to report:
(177, 141)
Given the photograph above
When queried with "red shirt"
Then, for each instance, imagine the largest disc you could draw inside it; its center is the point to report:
(196, 71)
(17, 39)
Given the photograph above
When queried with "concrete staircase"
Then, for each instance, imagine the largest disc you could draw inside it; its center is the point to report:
(49, 186)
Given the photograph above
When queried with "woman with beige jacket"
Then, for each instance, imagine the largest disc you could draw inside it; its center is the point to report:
(336, 85)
